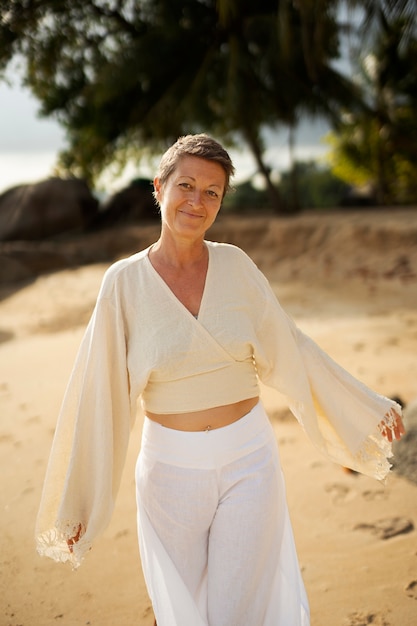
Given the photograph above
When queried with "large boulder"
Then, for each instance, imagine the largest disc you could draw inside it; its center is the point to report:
(134, 203)
(49, 207)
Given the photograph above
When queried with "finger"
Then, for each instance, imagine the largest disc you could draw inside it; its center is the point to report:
(399, 430)
(398, 427)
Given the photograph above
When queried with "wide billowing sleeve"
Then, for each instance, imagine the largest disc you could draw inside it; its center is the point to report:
(340, 414)
(91, 438)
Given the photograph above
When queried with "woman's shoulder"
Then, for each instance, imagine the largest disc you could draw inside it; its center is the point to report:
(234, 262)
(230, 252)
(121, 271)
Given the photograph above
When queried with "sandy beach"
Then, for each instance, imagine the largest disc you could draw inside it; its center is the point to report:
(356, 537)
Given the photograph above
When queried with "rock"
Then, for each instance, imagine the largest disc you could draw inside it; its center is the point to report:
(135, 203)
(405, 450)
(50, 207)
(410, 413)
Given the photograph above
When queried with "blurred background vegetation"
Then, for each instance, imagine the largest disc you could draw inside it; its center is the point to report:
(125, 78)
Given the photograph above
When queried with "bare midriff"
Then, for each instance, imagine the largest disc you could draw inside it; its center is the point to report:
(208, 419)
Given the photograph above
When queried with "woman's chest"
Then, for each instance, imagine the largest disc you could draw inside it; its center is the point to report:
(188, 289)
(186, 285)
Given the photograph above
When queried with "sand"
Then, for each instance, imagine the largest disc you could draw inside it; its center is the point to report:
(356, 537)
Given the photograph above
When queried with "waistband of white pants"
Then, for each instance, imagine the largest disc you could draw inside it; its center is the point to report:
(207, 449)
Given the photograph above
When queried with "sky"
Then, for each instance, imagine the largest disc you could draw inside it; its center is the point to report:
(29, 144)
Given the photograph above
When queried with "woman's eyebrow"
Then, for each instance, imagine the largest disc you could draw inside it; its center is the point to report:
(193, 179)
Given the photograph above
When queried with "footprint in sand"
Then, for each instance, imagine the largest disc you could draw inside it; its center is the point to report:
(33, 420)
(376, 494)
(388, 528)
(363, 619)
(339, 493)
(147, 612)
(411, 589)
(6, 438)
(6, 335)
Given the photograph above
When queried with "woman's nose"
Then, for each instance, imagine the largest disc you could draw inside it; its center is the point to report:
(196, 198)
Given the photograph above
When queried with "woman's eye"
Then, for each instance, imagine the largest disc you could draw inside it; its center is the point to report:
(212, 194)
(185, 185)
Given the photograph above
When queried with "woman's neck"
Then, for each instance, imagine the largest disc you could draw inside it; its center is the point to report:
(177, 254)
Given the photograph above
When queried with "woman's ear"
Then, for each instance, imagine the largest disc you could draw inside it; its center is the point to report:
(157, 187)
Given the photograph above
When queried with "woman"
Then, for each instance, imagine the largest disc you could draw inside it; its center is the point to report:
(190, 327)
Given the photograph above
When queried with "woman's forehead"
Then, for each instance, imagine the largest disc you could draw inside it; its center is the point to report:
(201, 169)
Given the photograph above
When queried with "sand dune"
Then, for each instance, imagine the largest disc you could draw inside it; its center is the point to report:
(356, 537)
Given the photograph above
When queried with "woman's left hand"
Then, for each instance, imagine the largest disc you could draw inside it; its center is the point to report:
(75, 538)
(392, 426)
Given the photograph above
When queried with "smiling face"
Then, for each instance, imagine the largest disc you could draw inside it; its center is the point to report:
(191, 197)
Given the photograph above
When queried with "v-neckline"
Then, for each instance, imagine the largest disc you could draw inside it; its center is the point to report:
(172, 294)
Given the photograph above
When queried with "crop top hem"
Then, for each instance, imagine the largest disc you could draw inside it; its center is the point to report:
(241, 398)
(218, 387)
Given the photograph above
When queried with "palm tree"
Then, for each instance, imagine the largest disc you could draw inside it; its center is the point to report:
(382, 137)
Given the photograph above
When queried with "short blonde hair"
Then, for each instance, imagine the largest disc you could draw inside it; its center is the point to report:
(201, 146)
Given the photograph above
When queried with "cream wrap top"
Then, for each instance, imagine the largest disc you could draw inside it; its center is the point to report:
(141, 342)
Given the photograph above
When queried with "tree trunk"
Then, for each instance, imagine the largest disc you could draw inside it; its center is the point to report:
(295, 200)
(382, 191)
(273, 193)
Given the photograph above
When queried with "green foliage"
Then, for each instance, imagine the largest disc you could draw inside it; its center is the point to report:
(376, 144)
(317, 186)
(126, 76)
(351, 158)
(247, 199)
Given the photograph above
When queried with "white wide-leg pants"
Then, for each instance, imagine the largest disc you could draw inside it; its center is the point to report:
(215, 536)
